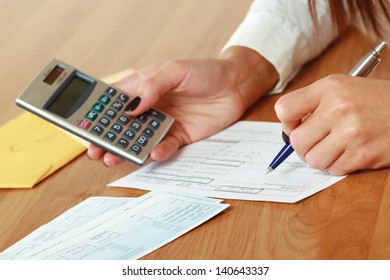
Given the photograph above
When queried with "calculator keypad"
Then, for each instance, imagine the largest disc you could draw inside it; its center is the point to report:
(131, 134)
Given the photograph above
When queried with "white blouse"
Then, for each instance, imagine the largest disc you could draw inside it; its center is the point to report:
(282, 32)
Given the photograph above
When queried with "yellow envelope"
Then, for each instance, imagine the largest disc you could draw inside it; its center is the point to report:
(31, 149)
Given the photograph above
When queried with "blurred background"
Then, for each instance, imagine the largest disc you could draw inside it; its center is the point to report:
(102, 37)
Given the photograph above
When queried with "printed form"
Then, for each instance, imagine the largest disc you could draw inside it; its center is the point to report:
(116, 228)
(73, 218)
(232, 164)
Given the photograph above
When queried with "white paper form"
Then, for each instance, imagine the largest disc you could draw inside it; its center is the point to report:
(73, 218)
(232, 164)
(130, 231)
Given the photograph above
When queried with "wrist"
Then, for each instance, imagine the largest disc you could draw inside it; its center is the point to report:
(252, 74)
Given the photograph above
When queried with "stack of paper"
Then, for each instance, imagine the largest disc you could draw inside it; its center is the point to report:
(116, 228)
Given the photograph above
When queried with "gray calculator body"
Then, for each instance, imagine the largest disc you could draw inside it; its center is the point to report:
(94, 111)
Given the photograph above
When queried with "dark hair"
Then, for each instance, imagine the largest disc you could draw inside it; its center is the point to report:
(367, 10)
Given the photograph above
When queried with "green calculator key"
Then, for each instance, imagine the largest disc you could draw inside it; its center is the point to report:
(98, 107)
(104, 99)
(91, 115)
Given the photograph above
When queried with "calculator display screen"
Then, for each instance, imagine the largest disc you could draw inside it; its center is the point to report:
(71, 96)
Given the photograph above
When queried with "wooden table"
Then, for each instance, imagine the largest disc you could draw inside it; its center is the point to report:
(349, 220)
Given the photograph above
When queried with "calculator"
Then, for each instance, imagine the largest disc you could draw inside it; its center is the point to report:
(94, 111)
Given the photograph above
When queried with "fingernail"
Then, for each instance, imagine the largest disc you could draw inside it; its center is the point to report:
(133, 104)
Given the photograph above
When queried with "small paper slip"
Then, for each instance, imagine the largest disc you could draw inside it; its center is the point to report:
(233, 164)
(31, 149)
(116, 228)
(73, 218)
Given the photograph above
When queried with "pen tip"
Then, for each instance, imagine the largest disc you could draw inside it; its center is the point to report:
(269, 170)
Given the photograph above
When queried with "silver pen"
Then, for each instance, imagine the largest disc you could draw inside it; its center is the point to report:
(369, 62)
(362, 69)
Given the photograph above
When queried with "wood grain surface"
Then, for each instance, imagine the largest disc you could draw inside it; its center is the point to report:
(349, 220)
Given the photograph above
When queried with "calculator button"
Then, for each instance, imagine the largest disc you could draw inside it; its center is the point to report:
(142, 141)
(135, 126)
(154, 125)
(98, 107)
(104, 99)
(123, 143)
(104, 122)
(117, 106)
(142, 118)
(123, 98)
(123, 120)
(116, 128)
(110, 136)
(97, 130)
(135, 149)
(156, 115)
(148, 133)
(129, 134)
(84, 124)
(110, 114)
(91, 115)
(110, 91)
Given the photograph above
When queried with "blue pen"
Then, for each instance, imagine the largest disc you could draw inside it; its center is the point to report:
(282, 155)
(362, 69)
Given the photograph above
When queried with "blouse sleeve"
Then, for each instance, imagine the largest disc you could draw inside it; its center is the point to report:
(282, 31)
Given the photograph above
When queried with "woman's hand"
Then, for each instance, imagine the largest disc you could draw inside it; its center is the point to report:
(204, 96)
(340, 123)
